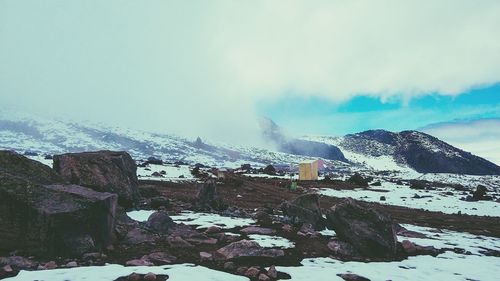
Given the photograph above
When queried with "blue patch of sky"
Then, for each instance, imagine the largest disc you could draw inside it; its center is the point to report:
(316, 115)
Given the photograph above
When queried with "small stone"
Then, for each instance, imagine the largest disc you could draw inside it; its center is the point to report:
(352, 277)
(252, 272)
(134, 277)
(72, 264)
(272, 272)
(7, 269)
(91, 256)
(213, 229)
(263, 277)
(149, 277)
(242, 269)
(229, 265)
(138, 262)
(204, 256)
(287, 228)
(382, 198)
(409, 247)
(50, 265)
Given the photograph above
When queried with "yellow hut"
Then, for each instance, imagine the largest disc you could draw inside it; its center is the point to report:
(308, 171)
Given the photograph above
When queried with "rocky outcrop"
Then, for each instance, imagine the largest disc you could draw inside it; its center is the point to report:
(103, 171)
(53, 219)
(208, 198)
(367, 230)
(304, 209)
(246, 249)
(16, 164)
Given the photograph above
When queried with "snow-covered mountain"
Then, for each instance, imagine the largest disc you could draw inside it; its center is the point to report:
(416, 150)
(409, 151)
(28, 134)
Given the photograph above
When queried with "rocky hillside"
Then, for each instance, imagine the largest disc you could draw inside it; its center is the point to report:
(419, 151)
(407, 151)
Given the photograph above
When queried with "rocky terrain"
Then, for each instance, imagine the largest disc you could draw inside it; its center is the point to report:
(91, 215)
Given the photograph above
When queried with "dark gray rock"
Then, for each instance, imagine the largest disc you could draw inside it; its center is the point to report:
(304, 209)
(54, 219)
(369, 231)
(246, 249)
(103, 171)
(160, 222)
(208, 198)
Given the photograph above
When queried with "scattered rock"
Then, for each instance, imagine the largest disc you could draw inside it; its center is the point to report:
(50, 265)
(157, 175)
(138, 236)
(368, 230)
(258, 230)
(208, 198)
(160, 258)
(72, 264)
(479, 193)
(139, 262)
(252, 272)
(247, 248)
(272, 272)
(242, 269)
(204, 256)
(160, 222)
(159, 202)
(229, 265)
(409, 247)
(263, 277)
(103, 171)
(178, 242)
(352, 277)
(359, 180)
(213, 229)
(304, 209)
(269, 170)
(154, 161)
(150, 276)
(342, 249)
(17, 262)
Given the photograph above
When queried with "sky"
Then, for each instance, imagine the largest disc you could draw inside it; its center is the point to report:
(211, 68)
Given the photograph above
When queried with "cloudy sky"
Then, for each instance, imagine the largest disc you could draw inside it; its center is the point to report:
(210, 68)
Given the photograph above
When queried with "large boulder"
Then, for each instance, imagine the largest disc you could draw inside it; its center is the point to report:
(305, 209)
(208, 198)
(369, 231)
(160, 222)
(53, 219)
(103, 171)
(16, 164)
(247, 249)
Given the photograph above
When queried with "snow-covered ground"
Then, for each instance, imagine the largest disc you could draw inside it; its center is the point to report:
(201, 220)
(431, 200)
(268, 241)
(170, 173)
(176, 272)
(447, 266)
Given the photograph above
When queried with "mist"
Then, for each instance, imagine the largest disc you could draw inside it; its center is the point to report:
(198, 68)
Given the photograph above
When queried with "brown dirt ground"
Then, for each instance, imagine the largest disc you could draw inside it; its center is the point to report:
(262, 192)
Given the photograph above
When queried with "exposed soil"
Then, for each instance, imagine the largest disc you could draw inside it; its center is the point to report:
(263, 192)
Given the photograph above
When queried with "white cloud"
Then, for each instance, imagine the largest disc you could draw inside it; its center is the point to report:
(480, 137)
(199, 67)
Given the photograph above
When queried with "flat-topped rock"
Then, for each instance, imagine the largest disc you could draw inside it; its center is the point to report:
(103, 171)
